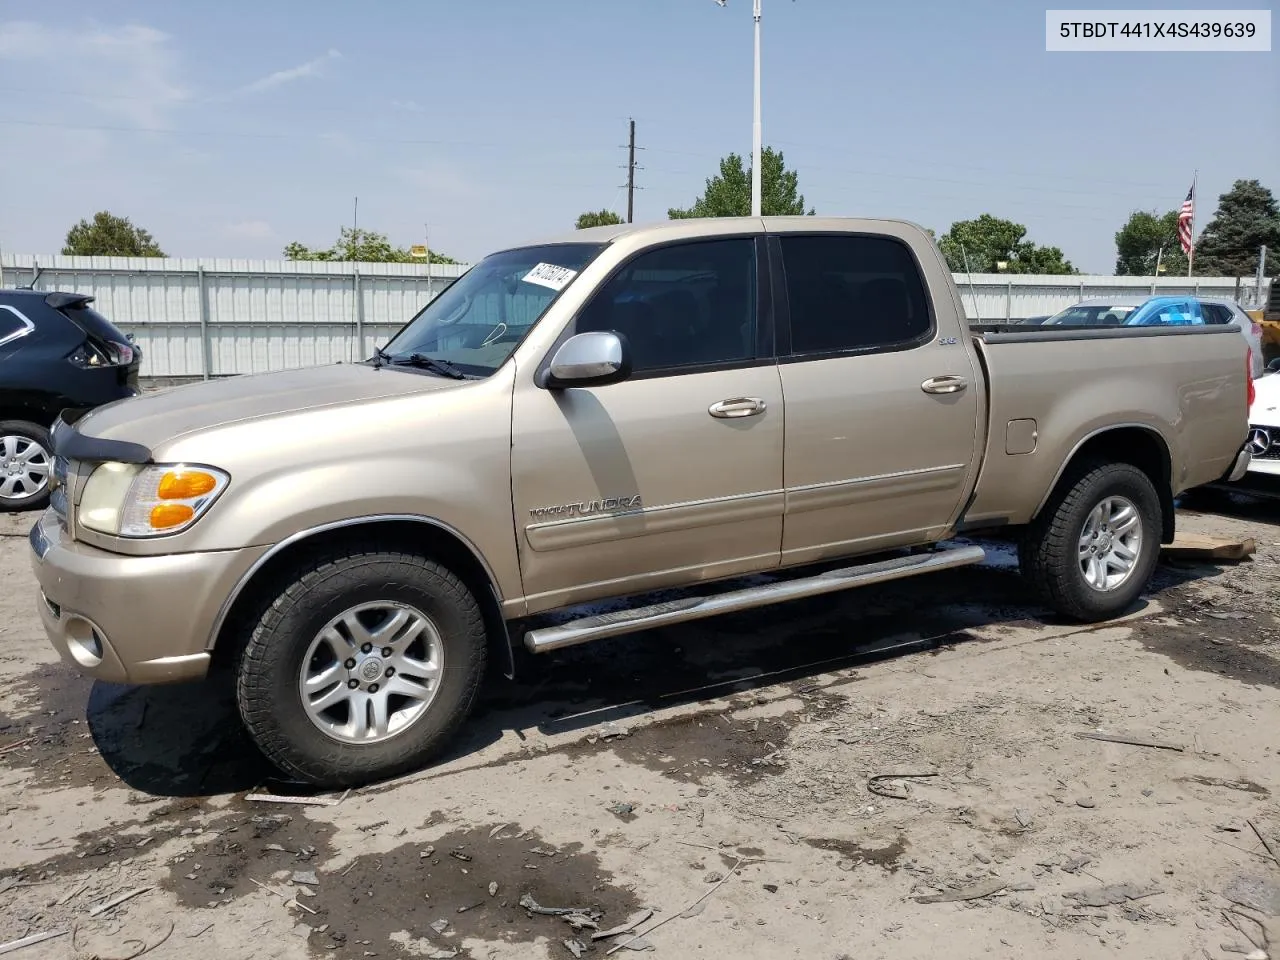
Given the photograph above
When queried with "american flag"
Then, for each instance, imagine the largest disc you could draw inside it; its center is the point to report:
(1186, 216)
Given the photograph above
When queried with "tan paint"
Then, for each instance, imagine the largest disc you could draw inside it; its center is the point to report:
(849, 456)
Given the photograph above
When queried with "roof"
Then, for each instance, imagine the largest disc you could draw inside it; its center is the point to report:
(711, 226)
(1131, 300)
(19, 292)
(54, 298)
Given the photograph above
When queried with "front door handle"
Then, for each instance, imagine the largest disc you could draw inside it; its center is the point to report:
(737, 407)
(944, 384)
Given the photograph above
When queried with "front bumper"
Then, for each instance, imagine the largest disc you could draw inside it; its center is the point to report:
(129, 619)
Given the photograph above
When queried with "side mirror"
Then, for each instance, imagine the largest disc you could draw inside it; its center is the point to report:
(589, 360)
(1274, 365)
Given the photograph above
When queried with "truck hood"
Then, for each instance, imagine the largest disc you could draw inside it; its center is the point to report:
(156, 418)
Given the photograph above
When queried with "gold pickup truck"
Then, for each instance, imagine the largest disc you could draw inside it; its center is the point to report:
(600, 416)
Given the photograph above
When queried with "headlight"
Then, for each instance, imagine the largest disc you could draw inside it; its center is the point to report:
(129, 500)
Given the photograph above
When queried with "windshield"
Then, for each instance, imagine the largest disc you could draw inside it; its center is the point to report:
(481, 318)
(1081, 316)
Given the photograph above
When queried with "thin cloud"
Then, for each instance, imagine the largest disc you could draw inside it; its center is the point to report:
(250, 229)
(128, 72)
(312, 68)
(412, 106)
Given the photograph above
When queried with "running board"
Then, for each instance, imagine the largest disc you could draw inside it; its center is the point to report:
(695, 608)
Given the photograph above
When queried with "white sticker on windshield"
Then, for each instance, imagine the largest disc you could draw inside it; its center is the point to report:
(549, 275)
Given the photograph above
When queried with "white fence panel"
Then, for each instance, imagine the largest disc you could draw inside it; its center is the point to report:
(215, 317)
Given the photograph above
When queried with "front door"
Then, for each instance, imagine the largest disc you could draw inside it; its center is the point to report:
(882, 410)
(646, 482)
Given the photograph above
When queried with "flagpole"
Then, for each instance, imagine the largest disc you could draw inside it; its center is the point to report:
(1191, 256)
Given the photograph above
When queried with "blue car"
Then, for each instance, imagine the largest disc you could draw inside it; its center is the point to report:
(1166, 311)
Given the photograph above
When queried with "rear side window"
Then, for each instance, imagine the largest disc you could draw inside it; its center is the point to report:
(93, 323)
(853, 293)
(1216, 313)
(12, 325)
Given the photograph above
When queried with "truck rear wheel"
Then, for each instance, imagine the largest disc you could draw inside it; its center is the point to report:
(362, 667)
(1093, 548)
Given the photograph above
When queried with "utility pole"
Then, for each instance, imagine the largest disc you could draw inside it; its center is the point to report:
(1262, 275)
(756, 138)
(631, 172)
(756, 172)
(631, 167)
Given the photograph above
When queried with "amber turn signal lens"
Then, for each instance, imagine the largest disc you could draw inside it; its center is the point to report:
(170, 515)
(185, 484)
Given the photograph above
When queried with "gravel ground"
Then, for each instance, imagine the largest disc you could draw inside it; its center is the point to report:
(718, 774)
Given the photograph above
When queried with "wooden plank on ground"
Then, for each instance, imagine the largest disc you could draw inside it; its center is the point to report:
(1198, 546)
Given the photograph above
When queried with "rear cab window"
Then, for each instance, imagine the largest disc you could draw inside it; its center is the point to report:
(853, 293)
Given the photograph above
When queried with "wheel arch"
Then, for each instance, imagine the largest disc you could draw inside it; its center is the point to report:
(416, 534)
(1136, 444)
(30, 413)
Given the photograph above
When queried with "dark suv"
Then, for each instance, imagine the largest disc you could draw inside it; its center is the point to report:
(56, 352)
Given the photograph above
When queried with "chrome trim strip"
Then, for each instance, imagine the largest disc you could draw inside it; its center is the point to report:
(840, 493)
(27, 325)
(288, 541)
(669, 518)
(695, 608)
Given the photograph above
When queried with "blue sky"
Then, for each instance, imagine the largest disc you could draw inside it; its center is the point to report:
(230, 129)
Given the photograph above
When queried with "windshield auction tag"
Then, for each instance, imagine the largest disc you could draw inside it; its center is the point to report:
(549, 275)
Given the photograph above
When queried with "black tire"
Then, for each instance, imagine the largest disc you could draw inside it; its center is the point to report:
(1049, 551)
(36, 434)
(267, 676)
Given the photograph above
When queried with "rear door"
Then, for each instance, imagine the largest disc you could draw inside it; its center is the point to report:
(882, 398)
(673, 475)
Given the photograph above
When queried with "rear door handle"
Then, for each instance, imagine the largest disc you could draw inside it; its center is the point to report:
(944, 384)
(737, 407)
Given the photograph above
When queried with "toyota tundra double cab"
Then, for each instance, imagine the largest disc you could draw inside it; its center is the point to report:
(597, 417)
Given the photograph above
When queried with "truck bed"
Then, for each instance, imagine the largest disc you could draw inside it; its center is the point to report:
(1051, 390)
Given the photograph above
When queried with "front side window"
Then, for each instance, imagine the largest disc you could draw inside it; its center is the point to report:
(684, 305)
(852, 293)
(478, 322)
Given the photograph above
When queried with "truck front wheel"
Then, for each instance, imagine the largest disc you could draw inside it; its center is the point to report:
(362, 667)
(1093, 548)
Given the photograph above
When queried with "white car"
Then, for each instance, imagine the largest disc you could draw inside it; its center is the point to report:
(1264, 430)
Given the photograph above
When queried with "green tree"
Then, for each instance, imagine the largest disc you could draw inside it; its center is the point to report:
(1139, 243)
(110, 236)
(366, 246)
(1246, 218)
(989, 241)
(728, 194)
(597, 218)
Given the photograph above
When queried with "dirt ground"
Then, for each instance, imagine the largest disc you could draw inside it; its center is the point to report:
(717, 774)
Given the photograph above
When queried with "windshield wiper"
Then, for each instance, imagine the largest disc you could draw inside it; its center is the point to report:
(442, 367)
(380, 357)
